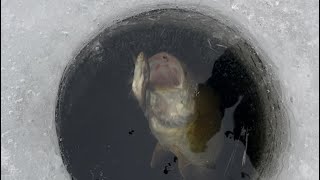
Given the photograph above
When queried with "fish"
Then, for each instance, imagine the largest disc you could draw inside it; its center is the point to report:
(183, 116)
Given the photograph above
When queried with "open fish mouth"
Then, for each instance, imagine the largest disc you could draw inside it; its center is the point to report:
(165, 71)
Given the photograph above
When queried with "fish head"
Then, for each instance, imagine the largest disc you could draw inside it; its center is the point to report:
(160, 86)
(166, 72)
(161, 71)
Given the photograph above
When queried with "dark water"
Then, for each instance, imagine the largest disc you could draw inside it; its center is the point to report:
(103, 132)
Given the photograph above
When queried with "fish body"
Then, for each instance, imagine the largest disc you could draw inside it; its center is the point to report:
(183, 116)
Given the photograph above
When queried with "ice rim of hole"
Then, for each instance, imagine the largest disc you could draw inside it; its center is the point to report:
(276, 114)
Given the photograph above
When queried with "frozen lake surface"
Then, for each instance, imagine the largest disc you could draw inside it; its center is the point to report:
(40, 38)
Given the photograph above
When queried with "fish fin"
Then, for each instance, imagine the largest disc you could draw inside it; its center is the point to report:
(159, 155)
(193, 172)
(184, 166)
(190, 171)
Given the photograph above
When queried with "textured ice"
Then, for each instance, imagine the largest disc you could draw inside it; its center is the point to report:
(38, 38)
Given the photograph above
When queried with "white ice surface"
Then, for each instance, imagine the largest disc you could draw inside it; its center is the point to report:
(38, 38)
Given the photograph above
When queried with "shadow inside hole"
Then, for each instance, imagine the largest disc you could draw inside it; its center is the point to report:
(104, 134)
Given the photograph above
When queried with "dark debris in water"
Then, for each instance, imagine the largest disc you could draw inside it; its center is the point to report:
(131, 132)
(169, 166)
(175, 159)
(166, 170)
(228, 134)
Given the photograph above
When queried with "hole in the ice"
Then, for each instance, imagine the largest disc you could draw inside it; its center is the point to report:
(95, 107)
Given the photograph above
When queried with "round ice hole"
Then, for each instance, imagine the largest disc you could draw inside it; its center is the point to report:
(102, 131)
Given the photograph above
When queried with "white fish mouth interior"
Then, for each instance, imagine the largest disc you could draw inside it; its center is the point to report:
(268, 131)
